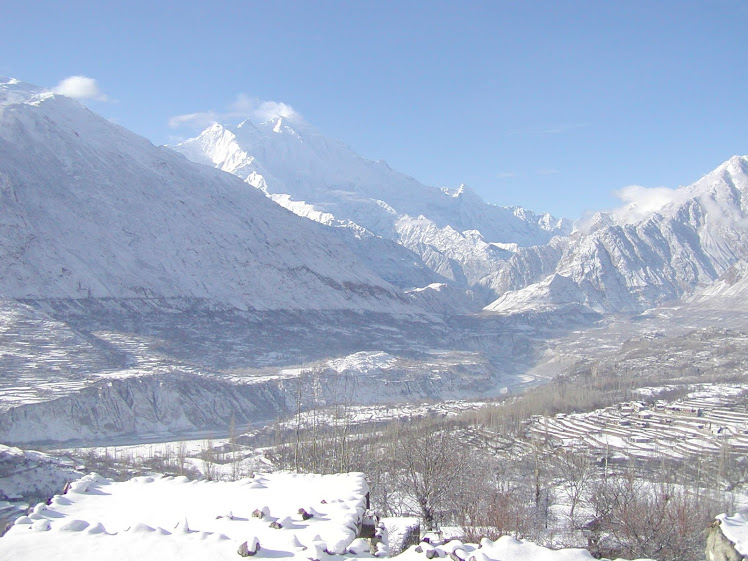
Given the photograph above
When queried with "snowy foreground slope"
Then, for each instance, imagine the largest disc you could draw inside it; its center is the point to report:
(90, 210)
(197, 520)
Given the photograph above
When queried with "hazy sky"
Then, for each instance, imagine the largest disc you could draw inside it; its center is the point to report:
(549, 105)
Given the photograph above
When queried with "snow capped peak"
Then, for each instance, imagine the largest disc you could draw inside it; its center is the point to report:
(734, 171)
(278, 125)
(462, 193)
(123, 218)
(281, 125)
(247, 124)
(215, 146)
(735, 167)
(595, 222)
(14, 83)
(13, 91)
(735, 163)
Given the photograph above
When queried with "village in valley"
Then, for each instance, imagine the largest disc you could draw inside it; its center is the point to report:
(712, 420)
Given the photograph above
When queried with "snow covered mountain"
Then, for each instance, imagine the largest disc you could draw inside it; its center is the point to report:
(91, 210)
(136, 285)
(527, 262)
(728, 292)
(621, 267)
(454, 232)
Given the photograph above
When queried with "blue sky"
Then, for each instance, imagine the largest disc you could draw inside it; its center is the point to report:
(553, 106)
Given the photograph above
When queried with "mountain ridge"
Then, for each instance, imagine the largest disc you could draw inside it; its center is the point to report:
(666, 256)
(93, 210)
(325, 180)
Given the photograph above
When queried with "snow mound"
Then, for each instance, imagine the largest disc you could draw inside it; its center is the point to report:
(156, 518)
(506, 548)
(735, 529)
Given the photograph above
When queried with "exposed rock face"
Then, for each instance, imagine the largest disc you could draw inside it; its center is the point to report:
(718, 547)
(618, 266)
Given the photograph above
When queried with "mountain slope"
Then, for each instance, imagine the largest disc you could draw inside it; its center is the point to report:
(664, 257)
(728, 292)
(91, 210)
(450, 230)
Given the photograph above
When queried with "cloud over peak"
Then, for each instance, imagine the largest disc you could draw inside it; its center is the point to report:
(640, 202)
(80, 87)
(242, 107)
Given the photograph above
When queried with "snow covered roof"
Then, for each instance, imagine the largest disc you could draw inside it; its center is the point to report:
(157, 518)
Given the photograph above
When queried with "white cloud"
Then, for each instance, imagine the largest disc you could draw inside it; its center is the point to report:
(243, 104)
(243, 107)
(197, 120)
(80, 87)
(640, 202)
(267, 110)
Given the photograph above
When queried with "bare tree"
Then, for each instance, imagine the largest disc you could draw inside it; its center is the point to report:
(209, 460)
(427, 462)
(233, 450)
(638, 518)
(181, 456)
(574, 468)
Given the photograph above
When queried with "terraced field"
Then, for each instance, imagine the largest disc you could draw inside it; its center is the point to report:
(712, 419)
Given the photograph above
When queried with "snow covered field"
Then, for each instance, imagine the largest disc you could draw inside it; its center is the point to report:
(175, 518)
(710, 418)
(276, 516)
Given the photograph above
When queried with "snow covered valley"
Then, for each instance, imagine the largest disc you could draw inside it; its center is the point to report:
(487, 368)
(515, 446)
(98, 369)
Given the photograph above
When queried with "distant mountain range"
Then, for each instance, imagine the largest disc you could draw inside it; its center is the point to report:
(662, 258)
(508, 259)
(459, 237)
(144, 292)
(92, 210)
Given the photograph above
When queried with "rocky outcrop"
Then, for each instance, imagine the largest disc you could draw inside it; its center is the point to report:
(628, 267)
(719, 547)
